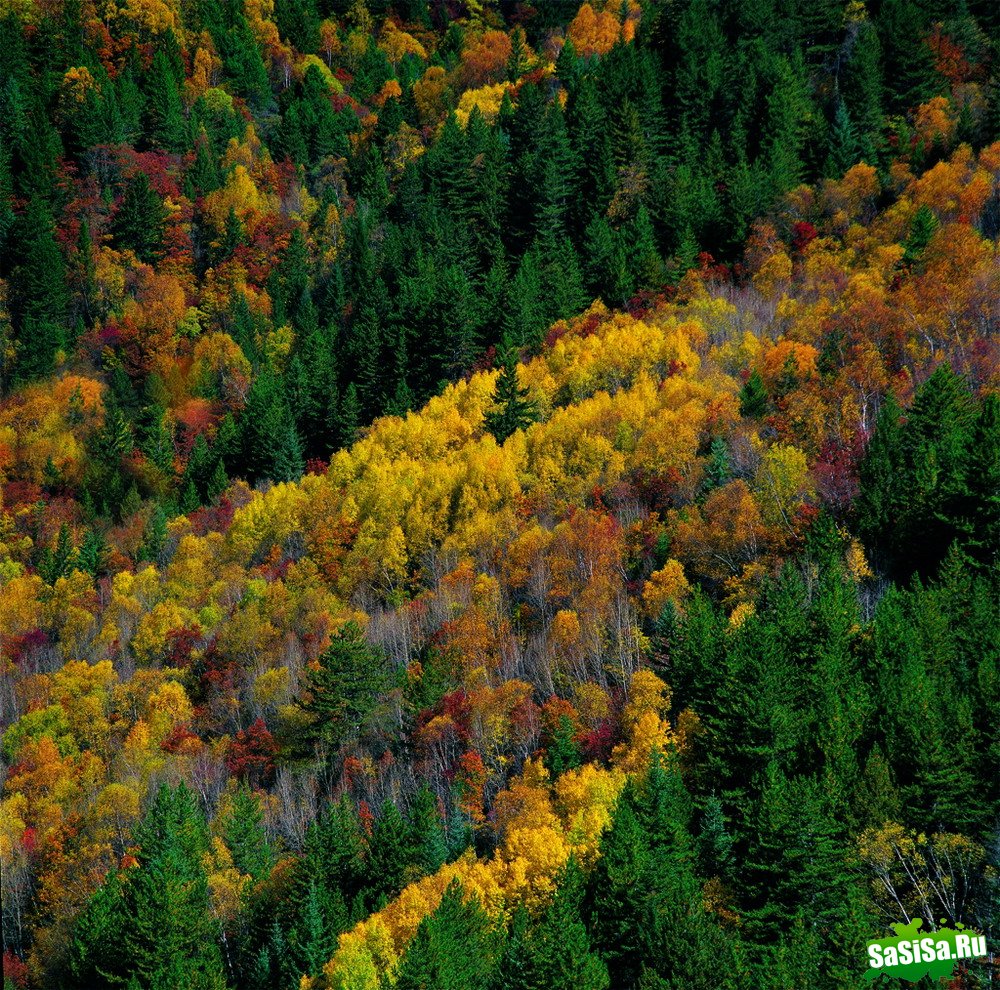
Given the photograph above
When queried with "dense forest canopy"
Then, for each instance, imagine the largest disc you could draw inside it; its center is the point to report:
(496, 496)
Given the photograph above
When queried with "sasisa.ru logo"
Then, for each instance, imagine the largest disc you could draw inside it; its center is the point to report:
(913, 954)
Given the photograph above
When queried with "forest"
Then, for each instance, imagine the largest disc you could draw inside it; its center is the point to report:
(497, 495)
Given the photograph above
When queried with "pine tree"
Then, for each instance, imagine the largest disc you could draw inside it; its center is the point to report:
(935, 453)
(753, 396)
(388, 852)
(558, 947)
(269, 444)
(245, 837)
(154, 536)
(617, 895)
(39, 301)
(164, 107)
(85, 274)
(646, 267)
(907, 61)
(844, 145)
(718, 470)
(333, 860)
(453, 948)
(588, 129)
(982, 512)
(56, 562)
(217, 484)
(311, 941)
(879, 475)
(562, 752)
(922, 228)
(426, 831)
(95, 957)
(862, 89)
(350, 416)
(344, 692)
(170, 937)
(514, 410)
(526, 317)
(94, 553)
(138, 222)
(562, 274)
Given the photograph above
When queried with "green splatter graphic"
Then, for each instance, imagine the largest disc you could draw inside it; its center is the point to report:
(914, 954)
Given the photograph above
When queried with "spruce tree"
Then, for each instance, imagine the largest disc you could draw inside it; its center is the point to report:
(453, 948)
(922, 228)
(514, 410)
(39, 301)
(345, 691)
(426, 832)
(245, 837)
(269, 444)
(171, 936)
(139, 220)
(164, 107)
(844, 144)
(559, 954)
(753, 396)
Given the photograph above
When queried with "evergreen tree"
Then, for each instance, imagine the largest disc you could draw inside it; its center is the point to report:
(345, 691)
(753, 396)
(844, 145)
(453, 948)
(922, 228)
(514, 410)
(878, 498)
(982, 515)
(718, 470)
(526, 318)
(862, 90)
(154, 536)
(166, 112)
(559, 956)
(907, 61)
(170, 937)
(350, 416)
(245, 837)
(426, 831)
(138, 222)
(39, 301)
(269, 444)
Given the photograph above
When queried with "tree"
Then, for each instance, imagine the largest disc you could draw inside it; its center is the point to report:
(844, 144)
(426, 828)
(922, 228)
(514, 410)
(245, 837)
(152, 926)
(344, 693)
(269, 443)
(753, 396)
(39, 301)
(139, 220)
(558, 947)
(164, 107)
(453, 948)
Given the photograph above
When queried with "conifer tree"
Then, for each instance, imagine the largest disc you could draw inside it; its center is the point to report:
(245, 837)
(166, 113)
(514, 409)
(344, 692)
(453, 948)
(753, 396)
(170, 937)
(559, 955)
(39, 301)
(138, 222)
